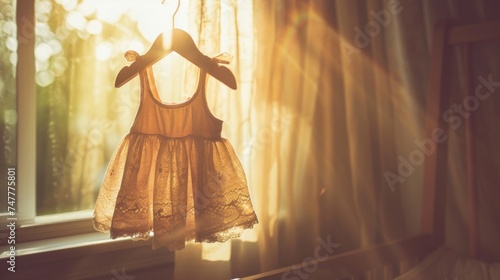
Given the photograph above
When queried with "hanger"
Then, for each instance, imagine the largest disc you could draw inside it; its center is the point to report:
(183, 44)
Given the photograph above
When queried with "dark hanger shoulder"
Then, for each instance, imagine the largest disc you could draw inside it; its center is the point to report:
(184, 45)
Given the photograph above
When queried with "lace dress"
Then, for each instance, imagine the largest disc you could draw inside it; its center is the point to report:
(173, 177)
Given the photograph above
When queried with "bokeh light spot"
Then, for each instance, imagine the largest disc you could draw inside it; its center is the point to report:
(44, 7)
(13, 58)
(75, 20)
(10, 117)
(87, 7)
(42, 29)
(68, 5)
(44, 78)
(41, 65)
(55, 46)
(43, 51)
(11, 44)
(94, 27)
(104, 51)
(9, 28)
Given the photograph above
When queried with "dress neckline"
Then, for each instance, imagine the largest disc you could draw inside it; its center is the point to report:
(153, 89)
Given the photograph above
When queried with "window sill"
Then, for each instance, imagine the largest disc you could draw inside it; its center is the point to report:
(80, 256)
(51, 226)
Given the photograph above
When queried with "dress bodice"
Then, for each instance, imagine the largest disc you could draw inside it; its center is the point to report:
(190, 118)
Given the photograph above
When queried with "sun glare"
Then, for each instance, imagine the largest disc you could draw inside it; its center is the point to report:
(89, 18)
(152, 16)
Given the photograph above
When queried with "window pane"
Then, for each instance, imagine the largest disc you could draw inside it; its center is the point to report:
(81, 117)
(8, 119)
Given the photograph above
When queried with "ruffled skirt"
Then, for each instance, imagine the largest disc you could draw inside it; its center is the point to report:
(175, 190)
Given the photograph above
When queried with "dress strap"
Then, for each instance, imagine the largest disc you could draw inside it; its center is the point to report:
(207, 63)
(202, 80)
(202, 88)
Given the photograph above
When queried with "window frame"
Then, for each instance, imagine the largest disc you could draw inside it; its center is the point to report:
(33, 227)
(42, 243)
(26, 111)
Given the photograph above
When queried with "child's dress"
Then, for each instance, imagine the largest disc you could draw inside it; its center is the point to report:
(174, 176)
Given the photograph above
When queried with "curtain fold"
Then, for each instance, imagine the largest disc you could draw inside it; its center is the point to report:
(339, 190)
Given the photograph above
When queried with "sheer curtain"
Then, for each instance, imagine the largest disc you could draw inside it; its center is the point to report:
(349, 81)
(339, 99)
(337, 104)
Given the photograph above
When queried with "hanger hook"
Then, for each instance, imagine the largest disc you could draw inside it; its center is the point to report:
(175, 12)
